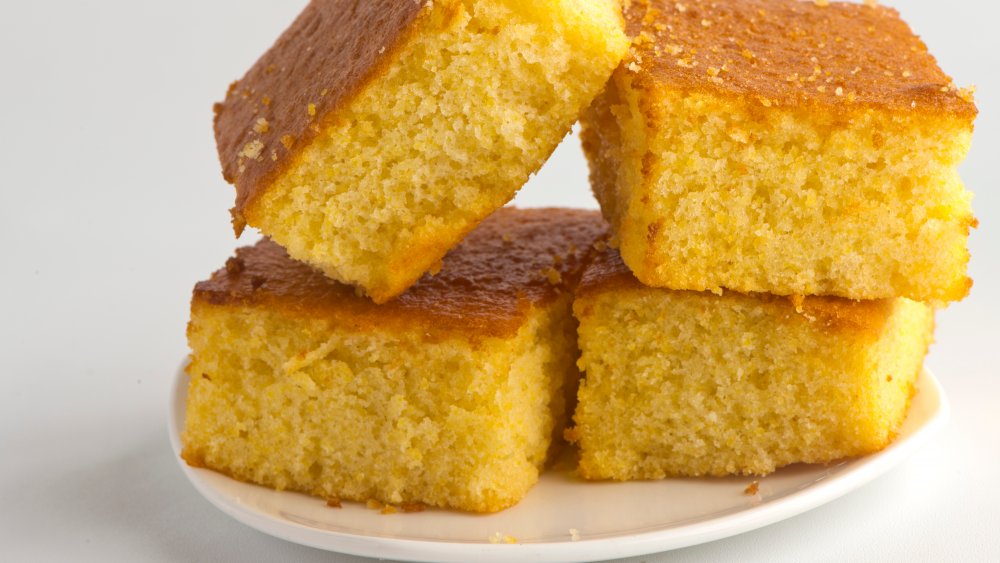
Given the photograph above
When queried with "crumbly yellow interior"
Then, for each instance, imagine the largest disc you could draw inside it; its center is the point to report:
(298, 404)
(472, 105)
(686, 384)
(721, 193)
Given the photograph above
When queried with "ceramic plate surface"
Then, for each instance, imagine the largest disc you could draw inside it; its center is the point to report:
(563, 518)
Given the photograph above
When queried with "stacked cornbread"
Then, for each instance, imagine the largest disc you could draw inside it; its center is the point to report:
(785, 214)
(368, 142)
(448, 396)
(781, 177)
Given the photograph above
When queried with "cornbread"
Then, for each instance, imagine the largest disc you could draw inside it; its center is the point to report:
(448, 396)
(374, 135)
(784, 147)
(684, 383)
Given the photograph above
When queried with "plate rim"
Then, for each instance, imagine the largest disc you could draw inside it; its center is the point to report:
(865, 470)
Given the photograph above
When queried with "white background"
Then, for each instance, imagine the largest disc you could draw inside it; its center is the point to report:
(112, 205)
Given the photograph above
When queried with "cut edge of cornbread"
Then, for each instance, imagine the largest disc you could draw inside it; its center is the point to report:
(297, 403)
(395, 175)
(681, 383)
(714, 187)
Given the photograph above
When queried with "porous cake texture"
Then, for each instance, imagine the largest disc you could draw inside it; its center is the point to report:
(448, 396)
(786, 147)
(685, 383)
(374, 135)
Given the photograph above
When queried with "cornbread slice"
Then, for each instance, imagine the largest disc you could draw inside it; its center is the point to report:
(448, 396)
(374, 135)
(684, 383)
(783, 147)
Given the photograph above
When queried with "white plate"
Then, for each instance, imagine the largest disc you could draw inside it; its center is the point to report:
(563, 518)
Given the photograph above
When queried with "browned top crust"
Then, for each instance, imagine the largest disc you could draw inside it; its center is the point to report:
(791, 53)
(605, 272)
(513, 260)
(327, 55)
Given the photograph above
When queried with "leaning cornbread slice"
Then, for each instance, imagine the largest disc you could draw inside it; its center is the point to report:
(685, 383)
(448, 396)
(373, 136)
(783, 147)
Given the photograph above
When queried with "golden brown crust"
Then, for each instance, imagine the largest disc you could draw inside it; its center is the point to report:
(331, 51)
(791, 53)
(606, 271)
(515, 259)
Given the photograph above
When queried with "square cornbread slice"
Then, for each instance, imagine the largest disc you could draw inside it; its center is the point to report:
(374, 135)
(686, 383)
(447, 396)
(783, 147)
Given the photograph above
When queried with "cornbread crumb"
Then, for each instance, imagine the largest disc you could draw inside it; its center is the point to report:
(377, 182)
(752, 489)
(435, 268)
(411, 507)
(261, 126)
(389, 509)
(252, 149)
(374, 504)
(333, 502)
(552, 275)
